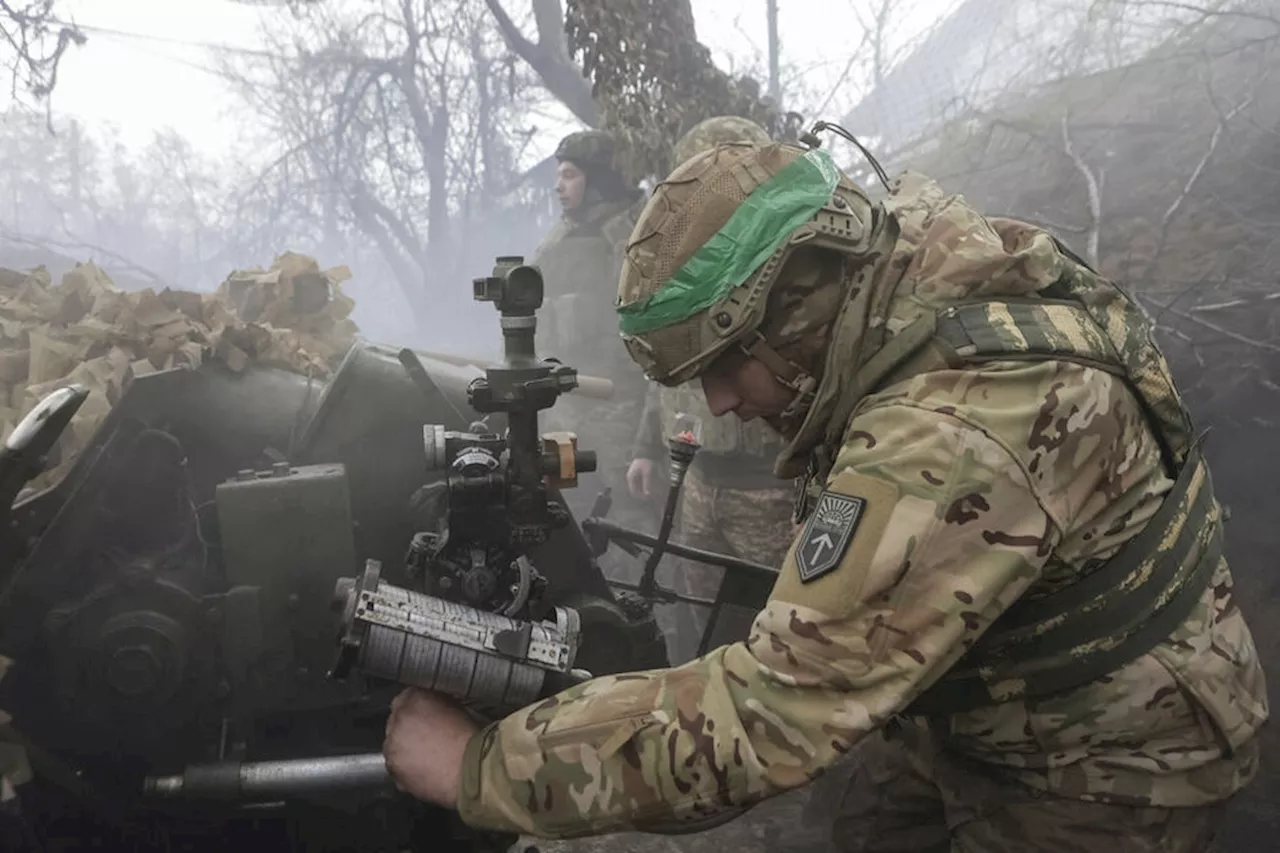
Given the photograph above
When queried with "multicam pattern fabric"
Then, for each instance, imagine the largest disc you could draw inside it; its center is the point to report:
(674, 334)
(982, 485)
(720, 130)
(775, 206)
(908, 795)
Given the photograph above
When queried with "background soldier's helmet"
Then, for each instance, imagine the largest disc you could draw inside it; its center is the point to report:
(594, 152)
(720, 130)
(589, 150)
(700, 271)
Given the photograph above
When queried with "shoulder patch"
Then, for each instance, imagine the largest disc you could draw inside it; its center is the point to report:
(827, 534)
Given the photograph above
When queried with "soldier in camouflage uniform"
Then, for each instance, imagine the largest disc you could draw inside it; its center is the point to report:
(1009, 587)
(580, 260)
(731, 502)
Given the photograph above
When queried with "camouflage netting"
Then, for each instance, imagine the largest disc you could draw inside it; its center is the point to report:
(652, 79)
(85, 330)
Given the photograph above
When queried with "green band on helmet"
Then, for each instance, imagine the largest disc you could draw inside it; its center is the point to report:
(762, 223)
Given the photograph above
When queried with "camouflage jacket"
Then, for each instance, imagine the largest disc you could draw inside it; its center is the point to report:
(580, 261)
(971, 489)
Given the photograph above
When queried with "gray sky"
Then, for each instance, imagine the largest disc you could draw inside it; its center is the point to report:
(144, 67)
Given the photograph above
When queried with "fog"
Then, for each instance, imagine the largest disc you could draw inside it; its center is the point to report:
(179, 144)
(1143, 133)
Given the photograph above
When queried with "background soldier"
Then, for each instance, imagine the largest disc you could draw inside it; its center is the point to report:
(580, 261)
(731, 502)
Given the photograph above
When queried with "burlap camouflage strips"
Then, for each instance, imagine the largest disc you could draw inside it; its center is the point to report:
(982, 485)
(85, 330)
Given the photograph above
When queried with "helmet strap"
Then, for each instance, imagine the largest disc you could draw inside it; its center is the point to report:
(787, 372)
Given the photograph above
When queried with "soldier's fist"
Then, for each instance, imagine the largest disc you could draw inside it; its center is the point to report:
(426, 738)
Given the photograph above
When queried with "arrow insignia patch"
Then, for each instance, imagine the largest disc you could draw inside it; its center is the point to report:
(827, 534)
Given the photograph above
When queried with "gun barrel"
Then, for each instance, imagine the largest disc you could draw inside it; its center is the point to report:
(595, 387)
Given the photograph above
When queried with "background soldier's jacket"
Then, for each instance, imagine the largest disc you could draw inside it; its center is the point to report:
(580, 261)
(983, 485)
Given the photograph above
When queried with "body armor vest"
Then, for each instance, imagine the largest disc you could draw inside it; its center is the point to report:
(580, 264)
(1117, 613)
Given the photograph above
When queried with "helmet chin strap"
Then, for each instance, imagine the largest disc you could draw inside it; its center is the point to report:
(786, 372)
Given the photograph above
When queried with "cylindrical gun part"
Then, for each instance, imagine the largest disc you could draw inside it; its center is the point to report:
(455, 671)
(235, 780)
(585, 460)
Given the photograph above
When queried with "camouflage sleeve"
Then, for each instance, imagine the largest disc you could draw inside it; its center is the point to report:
(946, 531)
(648, 443)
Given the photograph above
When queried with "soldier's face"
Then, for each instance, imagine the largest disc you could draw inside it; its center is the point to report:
(570, 184)
(738, 383)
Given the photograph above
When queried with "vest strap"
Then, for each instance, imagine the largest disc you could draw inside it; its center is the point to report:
(1119, 611)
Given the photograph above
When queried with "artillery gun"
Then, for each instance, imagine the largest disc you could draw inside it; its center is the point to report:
(166, 607)
(175, 673)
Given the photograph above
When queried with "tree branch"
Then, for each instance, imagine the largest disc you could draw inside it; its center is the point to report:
(549, 57)
(26, 31)
(1214, 327)
(1214, 139)
(1094, 184)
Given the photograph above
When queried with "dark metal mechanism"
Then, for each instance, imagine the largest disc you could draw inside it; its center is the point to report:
(489, 506)
(745, 584)
(476, 631)
(266, 780)
(165, 609)
(475, 627)
(166, 604)
(482, 658)
(682, 447)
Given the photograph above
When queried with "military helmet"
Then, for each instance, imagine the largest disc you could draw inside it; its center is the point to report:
(719, 130)
(711, 243)
(590, 150)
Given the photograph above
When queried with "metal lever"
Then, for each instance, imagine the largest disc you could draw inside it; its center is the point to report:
(683, 446)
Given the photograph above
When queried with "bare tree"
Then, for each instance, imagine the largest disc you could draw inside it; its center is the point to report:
(32, 44)
(879, 20)
(397, 117)
(157, 215)
(1162, 170)
(549, 55)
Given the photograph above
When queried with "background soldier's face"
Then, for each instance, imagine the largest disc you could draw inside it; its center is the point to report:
(570, 184)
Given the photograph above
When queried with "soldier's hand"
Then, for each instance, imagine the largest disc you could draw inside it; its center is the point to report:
(640, 477)
(426, 737)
